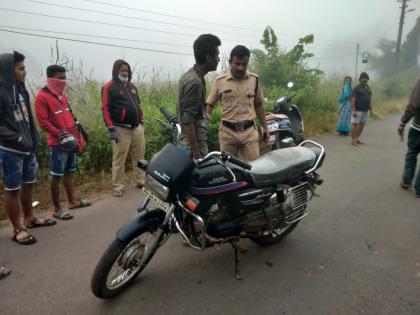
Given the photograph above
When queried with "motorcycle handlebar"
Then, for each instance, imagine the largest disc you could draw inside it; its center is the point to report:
(171, 118)
(236, 161)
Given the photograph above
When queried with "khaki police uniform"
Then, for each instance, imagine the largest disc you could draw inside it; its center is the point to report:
(238, 134)
(190, 108)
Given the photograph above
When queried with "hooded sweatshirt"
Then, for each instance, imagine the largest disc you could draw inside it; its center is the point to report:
(120, 102)
(413, 108)
(18, 132)
(54, 114)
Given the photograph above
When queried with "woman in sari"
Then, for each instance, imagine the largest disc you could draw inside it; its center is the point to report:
(344, 115)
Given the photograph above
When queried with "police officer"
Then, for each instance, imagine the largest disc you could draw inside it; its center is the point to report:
(241, 99)
(191, 107)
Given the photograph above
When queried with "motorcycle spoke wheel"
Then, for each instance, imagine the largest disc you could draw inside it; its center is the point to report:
(129, 262)
(122, 263)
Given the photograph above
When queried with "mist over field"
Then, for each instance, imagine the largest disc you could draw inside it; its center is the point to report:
(172, 26)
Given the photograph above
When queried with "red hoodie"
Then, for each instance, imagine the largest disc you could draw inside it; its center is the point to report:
(53, 114)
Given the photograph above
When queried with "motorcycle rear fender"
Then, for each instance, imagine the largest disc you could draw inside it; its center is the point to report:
(147, 219)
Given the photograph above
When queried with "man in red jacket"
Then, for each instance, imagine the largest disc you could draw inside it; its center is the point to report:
(55, 117)
(123, 117)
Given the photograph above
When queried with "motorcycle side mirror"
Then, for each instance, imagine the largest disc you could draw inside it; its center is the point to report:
(290, 84)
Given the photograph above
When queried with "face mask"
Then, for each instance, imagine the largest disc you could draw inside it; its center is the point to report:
(56, 86)
(123, 79)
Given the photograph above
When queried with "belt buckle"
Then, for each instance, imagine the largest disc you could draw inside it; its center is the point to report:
(240, 126)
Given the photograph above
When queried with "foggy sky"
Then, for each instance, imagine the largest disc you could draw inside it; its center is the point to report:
(337, 25)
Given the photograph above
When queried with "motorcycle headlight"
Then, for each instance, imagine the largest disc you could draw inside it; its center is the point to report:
(161, 191)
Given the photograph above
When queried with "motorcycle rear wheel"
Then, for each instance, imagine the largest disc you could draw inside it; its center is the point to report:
(122, 263)
(276, 236)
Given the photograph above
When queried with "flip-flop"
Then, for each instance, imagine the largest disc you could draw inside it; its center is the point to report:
(82, 204)
(360, 142)
(4, 272)
(45, 222)
(26, 239)
(355, 144)
(63, 214)
(117, 193)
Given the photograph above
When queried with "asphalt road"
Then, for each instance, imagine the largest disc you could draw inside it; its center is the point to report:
(356, 253)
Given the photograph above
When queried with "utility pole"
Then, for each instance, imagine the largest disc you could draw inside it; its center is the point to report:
(400, 29)
(357, 61)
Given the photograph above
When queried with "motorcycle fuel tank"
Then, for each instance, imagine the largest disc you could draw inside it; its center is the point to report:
(213, 178)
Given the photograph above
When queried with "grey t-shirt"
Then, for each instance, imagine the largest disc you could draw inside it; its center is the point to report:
(362, 95)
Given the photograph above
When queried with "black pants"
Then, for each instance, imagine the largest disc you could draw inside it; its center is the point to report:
(411, 160)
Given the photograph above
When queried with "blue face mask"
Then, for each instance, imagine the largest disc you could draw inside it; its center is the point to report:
(123, 79)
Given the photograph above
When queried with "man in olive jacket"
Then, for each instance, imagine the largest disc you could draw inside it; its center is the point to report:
(412, 111)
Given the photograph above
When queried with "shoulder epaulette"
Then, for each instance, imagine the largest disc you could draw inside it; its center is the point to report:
(253, 74)
(221, 76)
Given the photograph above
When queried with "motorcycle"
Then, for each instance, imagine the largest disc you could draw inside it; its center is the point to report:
(285, 123)
(215, 200)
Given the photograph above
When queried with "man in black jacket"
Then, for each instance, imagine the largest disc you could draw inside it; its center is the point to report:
(123, 117)
(18, 140)
(413, 143)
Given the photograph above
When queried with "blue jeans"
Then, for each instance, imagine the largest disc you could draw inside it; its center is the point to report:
(61, 162)
(17, 169)
(411, 160)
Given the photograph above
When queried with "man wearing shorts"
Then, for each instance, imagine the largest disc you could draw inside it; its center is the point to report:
(55, 117)
(361, 106)
(18, 140)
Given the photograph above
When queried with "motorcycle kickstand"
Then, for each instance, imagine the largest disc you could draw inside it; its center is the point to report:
(237, 249)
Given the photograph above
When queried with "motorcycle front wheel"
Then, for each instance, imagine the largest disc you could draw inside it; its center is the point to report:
(122, 263)
(276, 236)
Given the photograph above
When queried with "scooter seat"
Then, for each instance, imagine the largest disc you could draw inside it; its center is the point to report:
(280, 165)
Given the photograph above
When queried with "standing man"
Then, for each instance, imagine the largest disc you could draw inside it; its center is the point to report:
(361, 106)
(413, 143)
(55, 117)
(123, 117)
(190, 106)
(241, 99)
(18, 140)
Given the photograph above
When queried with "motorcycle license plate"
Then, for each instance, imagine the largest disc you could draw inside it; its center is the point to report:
(162, 204)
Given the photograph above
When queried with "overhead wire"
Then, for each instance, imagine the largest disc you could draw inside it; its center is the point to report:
(102, 23)
(198, 20)
(96, 43)
(127, 16)
(170, 15)
(95, 36)
(114, 38)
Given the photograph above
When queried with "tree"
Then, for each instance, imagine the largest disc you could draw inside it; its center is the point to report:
(410, 49)
(384, 62)
(276, 66)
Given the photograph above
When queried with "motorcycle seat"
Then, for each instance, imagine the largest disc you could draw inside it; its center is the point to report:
(280, 165)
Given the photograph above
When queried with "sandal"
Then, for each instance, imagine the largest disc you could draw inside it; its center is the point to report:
(22, 237)
(82, 204)
(63, 214)
(4, 272)
(117, 193)
(36, 222)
